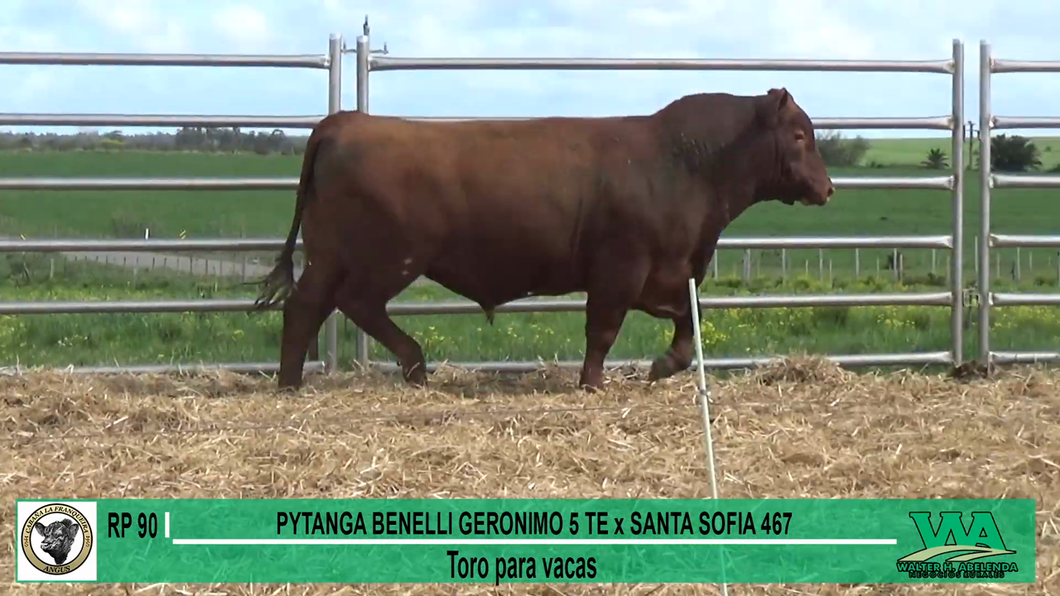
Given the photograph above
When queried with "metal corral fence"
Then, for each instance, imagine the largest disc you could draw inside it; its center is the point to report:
(331, 62)
(987, 121)
(368, 61)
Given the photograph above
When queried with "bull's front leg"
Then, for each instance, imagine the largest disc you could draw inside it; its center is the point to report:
(618, 278)
(602, 324)
(679, 357)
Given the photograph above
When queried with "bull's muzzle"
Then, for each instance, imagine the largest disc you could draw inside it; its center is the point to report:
(820, 197)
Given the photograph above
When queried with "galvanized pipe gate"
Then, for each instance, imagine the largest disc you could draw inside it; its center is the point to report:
(368, 61)
(988, 180)
(331, 61)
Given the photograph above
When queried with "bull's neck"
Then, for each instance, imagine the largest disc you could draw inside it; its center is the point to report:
(738, 173)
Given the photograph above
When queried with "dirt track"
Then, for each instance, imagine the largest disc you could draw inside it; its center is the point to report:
(808, 430)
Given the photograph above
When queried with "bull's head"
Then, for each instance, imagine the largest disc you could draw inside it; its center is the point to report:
(800, 173)
(58, 538)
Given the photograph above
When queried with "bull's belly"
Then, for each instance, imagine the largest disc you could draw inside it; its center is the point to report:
(492, 278)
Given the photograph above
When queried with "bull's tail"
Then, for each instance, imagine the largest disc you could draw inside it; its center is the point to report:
(277, 286)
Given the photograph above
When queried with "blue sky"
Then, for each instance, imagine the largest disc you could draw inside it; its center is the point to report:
(828, 29)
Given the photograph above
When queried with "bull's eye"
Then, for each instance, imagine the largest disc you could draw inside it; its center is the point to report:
(800, 136)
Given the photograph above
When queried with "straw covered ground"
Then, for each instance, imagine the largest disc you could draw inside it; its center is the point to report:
(804, 429)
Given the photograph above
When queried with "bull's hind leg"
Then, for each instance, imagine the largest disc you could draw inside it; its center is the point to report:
(304, 311)
(363, 298)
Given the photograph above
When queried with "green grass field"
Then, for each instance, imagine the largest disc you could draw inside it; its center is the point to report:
(161, 338)
(911, 152)
(58, 340)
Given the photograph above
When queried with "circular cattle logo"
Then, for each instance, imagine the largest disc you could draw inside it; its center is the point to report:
(56, 539)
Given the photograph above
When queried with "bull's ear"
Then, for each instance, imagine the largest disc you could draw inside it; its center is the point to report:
(39, 527)
(772, 105)
(72, 528)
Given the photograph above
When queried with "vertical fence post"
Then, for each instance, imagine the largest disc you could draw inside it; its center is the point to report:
(857, 264)
(783, 265)
(984, 201)
(957, 262)
(361, 345)
(331, 326)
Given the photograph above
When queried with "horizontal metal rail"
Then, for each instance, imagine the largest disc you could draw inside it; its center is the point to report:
(1024, 181)
(1002, 122)
(377, 62)
(263, 244)
(999, 66)
(467, 307)
(15, 119)
(883, 123)
(1022, 240)
(838, 242)
(130, 59)
(851, 360)
(1025, 299)
(43, 183)
(156, 369)
(1025, 357)
(919, 182)
(126, 307)
(208, 244)
(48, 183)
(158, 120)
(780, 301)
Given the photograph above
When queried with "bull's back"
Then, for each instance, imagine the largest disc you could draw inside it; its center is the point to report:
(512, 206)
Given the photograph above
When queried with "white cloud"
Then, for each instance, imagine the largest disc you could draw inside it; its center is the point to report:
(140, 23)
(809, 28)
(245, 26)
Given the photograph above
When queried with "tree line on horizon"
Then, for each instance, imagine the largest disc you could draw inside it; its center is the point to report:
(836, 150)
(1008, 153)
(188, 138)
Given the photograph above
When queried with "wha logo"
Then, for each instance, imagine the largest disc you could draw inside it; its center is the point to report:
(963, 548)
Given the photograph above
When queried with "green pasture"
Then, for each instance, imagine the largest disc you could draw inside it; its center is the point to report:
(163, 338)
(59, 340)
(911, 152)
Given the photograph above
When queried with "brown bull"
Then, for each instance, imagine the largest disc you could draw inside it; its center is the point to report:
(626, 209)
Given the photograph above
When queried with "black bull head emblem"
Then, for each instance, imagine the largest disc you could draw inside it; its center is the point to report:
(58, 538)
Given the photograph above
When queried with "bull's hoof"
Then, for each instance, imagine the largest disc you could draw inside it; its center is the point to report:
(288, 387)
(663, 368)
(591, 384)
(415, 376)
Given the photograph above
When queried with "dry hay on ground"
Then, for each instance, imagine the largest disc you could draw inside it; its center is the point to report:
(801, 430)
